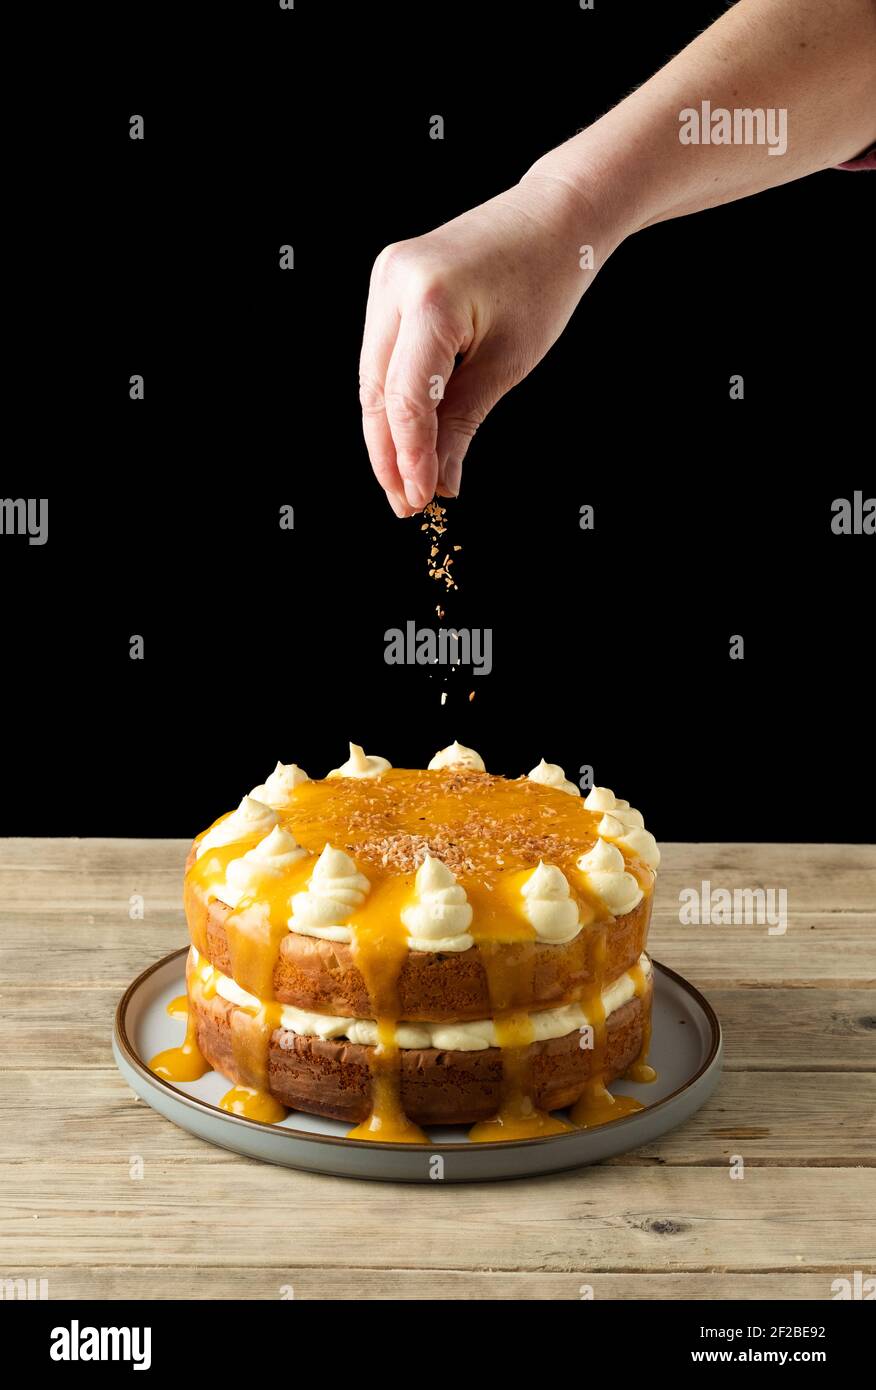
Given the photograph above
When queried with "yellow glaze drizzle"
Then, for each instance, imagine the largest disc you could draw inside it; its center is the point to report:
(178, 1008)
(517, 1116)
(597, 1106)
(253, 1105)
(640, 1070)
(183, 1063)
(380, 948)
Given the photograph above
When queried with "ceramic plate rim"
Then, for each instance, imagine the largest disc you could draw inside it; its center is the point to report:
(131, 1056)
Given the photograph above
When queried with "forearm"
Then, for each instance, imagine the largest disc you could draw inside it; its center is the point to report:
(815, 60)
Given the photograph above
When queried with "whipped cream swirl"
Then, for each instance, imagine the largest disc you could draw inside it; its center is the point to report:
(251, 818)
(549, 905)
(335, 891)
(360, 764)
(269, 859)
(605, 870)
(623, 823)
(552, 775)
(441, 916)
(456, 755)
(278, 789)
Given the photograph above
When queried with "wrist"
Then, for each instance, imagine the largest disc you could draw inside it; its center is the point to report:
(579, 225)
(590, 178)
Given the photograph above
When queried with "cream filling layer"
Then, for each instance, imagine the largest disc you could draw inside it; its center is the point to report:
(447, 1037)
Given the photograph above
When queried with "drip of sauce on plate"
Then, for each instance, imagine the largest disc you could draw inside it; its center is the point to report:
(253, 1105)
(597, 1106)
(178, 1008)
(640, 1070)
(186, 1062)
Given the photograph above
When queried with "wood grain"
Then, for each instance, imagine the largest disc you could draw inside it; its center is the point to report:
(772, 1118)
(606, 1218)
(265, 1282)
(797, 1103)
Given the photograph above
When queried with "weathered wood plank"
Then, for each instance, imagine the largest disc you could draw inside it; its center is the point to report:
(818, 878)
(83, 874)
(104, 947)
(786, 1118)
(58, 1211)
(282, 1282)
(828, 951)
(797, 1030)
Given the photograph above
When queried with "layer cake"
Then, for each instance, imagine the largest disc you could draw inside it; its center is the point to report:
(397, 948)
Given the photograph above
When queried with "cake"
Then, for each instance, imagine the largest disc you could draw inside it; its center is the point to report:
(398, 948)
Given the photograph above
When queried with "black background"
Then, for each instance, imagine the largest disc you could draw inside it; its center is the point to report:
(311, 127)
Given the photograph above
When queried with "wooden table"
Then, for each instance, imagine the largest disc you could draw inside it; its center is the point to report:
(796, 1102)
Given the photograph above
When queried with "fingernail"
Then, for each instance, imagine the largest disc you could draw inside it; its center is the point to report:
(416, 496)
(450, 476)
(398, 503)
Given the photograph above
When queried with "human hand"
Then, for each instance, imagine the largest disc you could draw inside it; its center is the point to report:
(457, 317)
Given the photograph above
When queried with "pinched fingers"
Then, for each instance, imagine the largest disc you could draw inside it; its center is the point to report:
(416, 379)
(408, 352)
(381, 331)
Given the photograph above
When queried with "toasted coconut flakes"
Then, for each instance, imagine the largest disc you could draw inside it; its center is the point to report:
(468, 839)
(434, 522)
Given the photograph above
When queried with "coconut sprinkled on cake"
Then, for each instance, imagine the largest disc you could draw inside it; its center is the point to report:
(476, 823)
(471, 841)
(472, 846)
(405, 853)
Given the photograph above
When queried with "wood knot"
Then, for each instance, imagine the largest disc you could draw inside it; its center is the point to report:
(663, 1226)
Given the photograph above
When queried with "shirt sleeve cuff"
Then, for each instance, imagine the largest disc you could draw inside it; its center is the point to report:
(867, 160)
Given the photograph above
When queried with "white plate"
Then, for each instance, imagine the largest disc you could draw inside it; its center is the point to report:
(686, 1053)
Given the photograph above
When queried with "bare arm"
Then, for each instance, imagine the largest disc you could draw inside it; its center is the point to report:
(459, 316)
(814, 60)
